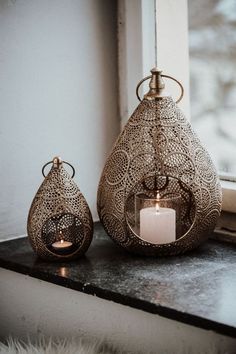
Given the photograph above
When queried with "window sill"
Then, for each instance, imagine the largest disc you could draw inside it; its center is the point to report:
(229, 196)
(226, 226)
(197, 289)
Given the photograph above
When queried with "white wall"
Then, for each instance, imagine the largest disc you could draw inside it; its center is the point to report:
(38, 307)
(58, 96)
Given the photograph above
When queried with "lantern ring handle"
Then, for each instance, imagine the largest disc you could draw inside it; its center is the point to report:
(67, 163)
(168, 77)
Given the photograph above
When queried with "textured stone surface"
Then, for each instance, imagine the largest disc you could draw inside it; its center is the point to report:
(198, 288)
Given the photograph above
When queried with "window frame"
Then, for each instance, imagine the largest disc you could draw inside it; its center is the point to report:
(137, 29)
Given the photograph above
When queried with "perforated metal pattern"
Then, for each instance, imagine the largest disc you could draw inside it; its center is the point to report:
(59, 207)
(159, 150)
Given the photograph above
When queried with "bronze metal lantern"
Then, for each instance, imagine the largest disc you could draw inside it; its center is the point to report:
(158, 157)
(60, 225)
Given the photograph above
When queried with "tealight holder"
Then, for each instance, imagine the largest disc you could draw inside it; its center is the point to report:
(60, 225)
(157, 218)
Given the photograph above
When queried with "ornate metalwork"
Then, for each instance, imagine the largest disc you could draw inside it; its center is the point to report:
(158, 150)
(59, 213)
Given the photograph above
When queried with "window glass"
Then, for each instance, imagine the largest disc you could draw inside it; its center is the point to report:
(212, 43)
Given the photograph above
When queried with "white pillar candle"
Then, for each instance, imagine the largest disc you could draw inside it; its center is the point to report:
(157, 225)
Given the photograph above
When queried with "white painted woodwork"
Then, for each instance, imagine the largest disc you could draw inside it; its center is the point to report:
(172, 46)
(33, 307)
(138, 48)
(136, 35)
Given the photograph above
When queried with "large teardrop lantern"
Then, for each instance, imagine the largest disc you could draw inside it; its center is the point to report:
(159, 193)
(60, 225)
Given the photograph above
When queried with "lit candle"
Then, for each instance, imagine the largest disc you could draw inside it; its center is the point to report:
(61, 244)
(157, 225)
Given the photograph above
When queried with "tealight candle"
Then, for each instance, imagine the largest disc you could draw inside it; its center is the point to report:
(61, 244)
(158, 225)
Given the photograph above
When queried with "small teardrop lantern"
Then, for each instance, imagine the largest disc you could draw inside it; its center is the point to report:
(60, 225)
(159, 193)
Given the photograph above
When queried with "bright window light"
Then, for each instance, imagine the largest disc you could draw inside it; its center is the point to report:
(212, 43)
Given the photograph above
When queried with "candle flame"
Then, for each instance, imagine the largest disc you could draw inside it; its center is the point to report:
(157, 204)
(62, 241)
